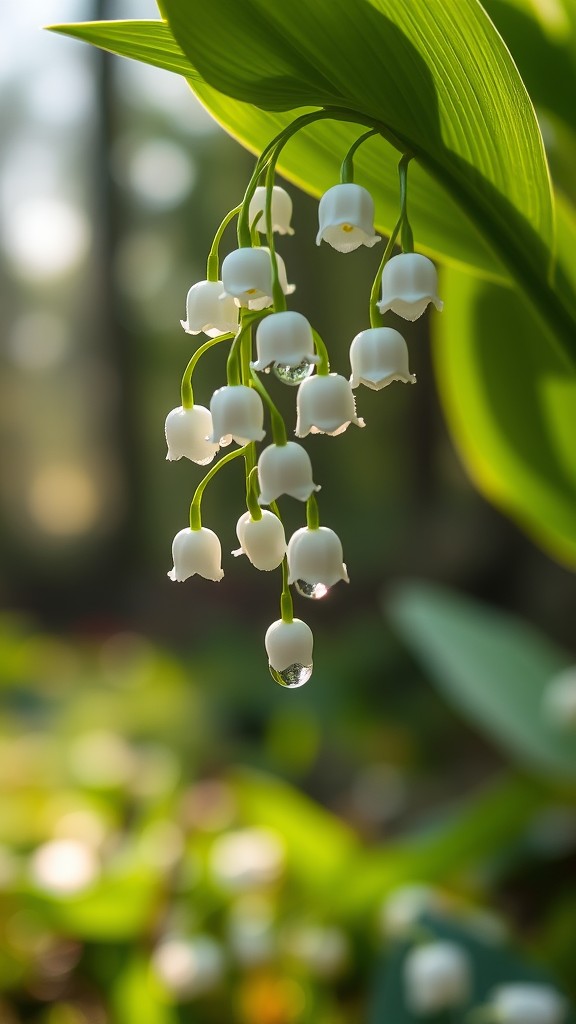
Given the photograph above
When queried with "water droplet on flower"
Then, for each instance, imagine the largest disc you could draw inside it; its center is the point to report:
(313, 590)
(293, 375)
(293, 676)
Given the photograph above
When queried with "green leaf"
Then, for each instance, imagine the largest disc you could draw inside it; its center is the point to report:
(150, 42)
(510, 402)
(116, 909)
(138, 996)
(493, 668)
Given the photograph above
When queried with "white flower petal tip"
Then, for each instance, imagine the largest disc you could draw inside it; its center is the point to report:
(209, 311)
(315, 556)
(236, 410)
(284, 338)
(525, 1002)
(325, 405)
(409, 285)
(559, 700)
(379, 356)
(262, 540)
(196, 552)
(281, 210)
(289, 646)
(186, 432)
(437, 977)
(285, 469)
(346, 218)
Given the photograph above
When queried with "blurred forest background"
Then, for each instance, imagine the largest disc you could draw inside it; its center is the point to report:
(138, 720)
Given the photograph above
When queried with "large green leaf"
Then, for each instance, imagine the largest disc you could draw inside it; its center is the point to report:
(437, 81)
(510, 402)
(493, 667)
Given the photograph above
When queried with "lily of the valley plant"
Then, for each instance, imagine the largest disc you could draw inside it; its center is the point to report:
(242, 304)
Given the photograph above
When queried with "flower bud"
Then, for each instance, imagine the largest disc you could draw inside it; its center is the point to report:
(237, 410)
(285, 338)
(315, 556)
(262, 540)
(289, 647)
(208, 310)
(285, 469)
(409, 284)
(346, 215)
(196, 552)
(526, 1002)
(186, 432)
(436, 977)
(378, 356)
(325, 405)
(281, 210)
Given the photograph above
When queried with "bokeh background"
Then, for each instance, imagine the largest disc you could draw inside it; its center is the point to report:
(140, 730)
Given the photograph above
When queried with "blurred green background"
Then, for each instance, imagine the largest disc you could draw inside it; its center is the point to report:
(181, 839)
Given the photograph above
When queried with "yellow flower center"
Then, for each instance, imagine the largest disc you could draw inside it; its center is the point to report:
(347, 228)
(251, 291)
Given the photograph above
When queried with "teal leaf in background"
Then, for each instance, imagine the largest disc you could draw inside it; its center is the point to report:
(492, 668)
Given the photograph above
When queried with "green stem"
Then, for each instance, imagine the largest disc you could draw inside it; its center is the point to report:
(376, 317)
(252, 492)
(277, 293)
(238, 362)
(347, 168)
(195, 505)
(286, 605)
(406, 237)
(276, 420)
(312, 513)
(323, 367)
(213, 262)
(186, 386)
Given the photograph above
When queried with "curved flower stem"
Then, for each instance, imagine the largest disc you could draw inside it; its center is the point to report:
(277, 293)
(276, 420)
(195, 511)
(376, 318)
(286, 605)
(252, 491)
(347, 167)
(213, 262)
(312, 513)
(406, 237)
(186, 385)
(238, 361)
(323, 368)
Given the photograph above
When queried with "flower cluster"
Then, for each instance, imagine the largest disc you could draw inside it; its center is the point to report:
(243, 303)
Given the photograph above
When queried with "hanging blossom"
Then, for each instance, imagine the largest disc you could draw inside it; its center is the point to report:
(242, 305)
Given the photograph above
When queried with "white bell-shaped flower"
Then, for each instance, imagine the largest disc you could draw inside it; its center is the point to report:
(236, 410)
(409, 284)
(262, 540)
(437, 977)
(315, 557)
(285, 338)
(281, 210)
(196, 552)
(526, 1002)
(285, 469)
(325, 405)
(186, 435)
(208, 310)
(266, 300)
(346, 218)
(378, 356)
(289, 647)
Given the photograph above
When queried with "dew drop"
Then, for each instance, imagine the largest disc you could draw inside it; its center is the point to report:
(312, 590)
(293, 375)
(293, 676)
